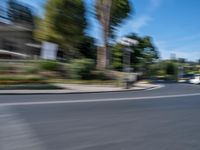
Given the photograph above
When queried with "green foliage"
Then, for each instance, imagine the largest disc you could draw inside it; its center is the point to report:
(64, 23)
(154, 70)
(4, 68)
(160, 72)
(145, 49)
(10, 79)
(171, 69)
(100, 75)
(150, 51)
(117, 57)
(29, 86)
(120, 10)
(49, 65)
(14, 78)
(111, 13)
(87, 48)
(165, 70)
(31, 69)
(142, 57)
(81, 68)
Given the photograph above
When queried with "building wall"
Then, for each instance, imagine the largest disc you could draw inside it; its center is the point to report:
(16, 41)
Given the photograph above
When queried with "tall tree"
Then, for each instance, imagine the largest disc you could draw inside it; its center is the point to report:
(87, 48)
(64, 23)
(110, 14)
(142, 56)
(150, 54)
(149, 51)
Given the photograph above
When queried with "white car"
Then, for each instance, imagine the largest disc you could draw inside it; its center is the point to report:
(195, 80)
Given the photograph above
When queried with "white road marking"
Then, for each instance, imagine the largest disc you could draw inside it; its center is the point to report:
(97, 100)
(155, 88)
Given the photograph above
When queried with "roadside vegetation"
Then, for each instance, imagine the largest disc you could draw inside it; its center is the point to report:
(83, 61)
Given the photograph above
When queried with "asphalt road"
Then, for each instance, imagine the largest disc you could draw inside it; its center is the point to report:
(162, 119)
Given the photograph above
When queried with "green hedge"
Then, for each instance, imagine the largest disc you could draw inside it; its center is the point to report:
(81, 68)
(49, 65)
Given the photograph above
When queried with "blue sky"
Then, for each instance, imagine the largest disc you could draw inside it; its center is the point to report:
(173, 24)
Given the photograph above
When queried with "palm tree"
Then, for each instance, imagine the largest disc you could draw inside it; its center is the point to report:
(110, 14)
(103, 15)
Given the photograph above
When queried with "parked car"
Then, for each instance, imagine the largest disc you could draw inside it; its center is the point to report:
(195, 80)
(186, 78)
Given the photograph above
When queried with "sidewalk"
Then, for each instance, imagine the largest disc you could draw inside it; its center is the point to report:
(80, 88)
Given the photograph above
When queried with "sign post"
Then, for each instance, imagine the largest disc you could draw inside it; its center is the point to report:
(127, 59)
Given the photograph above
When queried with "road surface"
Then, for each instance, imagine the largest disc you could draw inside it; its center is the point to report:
(161, 119)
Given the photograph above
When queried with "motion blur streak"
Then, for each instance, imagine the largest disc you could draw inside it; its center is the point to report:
(16, 133)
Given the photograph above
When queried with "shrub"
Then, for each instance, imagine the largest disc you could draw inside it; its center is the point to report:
(160, 72)
(49, 65)
(171, 69)
(4, 68)
(21, 79)
(117, 66)
(67, 70)
(81, 68)
(31, 70)
(100, 75)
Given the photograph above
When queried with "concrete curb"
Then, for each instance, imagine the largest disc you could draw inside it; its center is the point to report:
(53, 92)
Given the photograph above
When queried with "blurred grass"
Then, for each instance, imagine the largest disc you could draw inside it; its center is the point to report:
(88, 82)
(19, 79)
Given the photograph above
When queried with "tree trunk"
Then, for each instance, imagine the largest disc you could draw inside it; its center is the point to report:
(101, 58)
(103, 52)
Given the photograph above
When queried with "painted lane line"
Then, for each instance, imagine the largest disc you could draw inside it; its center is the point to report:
(156, 88)
(97, 100)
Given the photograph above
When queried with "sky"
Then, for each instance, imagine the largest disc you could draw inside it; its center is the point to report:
(173, 24)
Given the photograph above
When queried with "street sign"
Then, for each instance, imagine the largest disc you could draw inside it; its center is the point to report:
(127, 41)
(49, 51)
